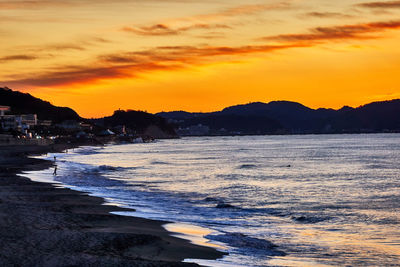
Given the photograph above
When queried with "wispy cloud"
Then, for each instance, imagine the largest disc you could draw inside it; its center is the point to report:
(31, 4)
(134, 64)
(18, 58)
(79, 44)
(36, 4)
(161, 29)
(203, 21)
(342, 32)
(247, 10)
(327, 15)
(378, 5)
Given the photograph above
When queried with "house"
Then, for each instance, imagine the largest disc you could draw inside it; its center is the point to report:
(4, 109)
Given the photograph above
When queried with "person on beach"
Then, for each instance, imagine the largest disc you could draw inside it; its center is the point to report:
(55, 158)
(55, 170)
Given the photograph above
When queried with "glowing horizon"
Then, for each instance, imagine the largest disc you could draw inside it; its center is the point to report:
(97, 56)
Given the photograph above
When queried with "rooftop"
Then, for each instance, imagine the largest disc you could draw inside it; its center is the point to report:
(5, 108)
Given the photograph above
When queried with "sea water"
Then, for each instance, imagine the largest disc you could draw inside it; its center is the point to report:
(307, 200)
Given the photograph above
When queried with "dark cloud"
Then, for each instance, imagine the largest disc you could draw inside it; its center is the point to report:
(355, 31)
(17, 57)
(377, 5)
(188, 54)
(58, 47)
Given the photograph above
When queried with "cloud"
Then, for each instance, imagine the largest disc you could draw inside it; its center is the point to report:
(158, 29)
(79, 44)
(161, 29)
(377, 5)
(236, 11)
(201, 22)
(133, 64)
(31, 4)
(36, 4)
(250, 9)
(17, 57)
(327, 15)
(343, 32)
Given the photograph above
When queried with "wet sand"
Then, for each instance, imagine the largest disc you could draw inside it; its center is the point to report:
(45, 225)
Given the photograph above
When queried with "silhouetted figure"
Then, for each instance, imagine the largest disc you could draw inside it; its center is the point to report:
(55, 158)
(55, 170)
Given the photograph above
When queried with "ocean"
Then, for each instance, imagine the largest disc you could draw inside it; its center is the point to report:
(305, 200)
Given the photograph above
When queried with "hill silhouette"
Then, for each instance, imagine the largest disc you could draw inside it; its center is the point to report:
(140, 121)
(276, 117)
(293, 118)
(22, 103)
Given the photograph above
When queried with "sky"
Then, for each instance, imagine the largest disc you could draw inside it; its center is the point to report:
(97, 56)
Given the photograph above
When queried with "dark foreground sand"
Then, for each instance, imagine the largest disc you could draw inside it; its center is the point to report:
(41, 225)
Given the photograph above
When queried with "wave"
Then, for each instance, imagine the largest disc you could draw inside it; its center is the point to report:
(105, 168)
(155, 162)
(241, 241)
(223, 205)
(247, 166)
(212, 199)
(88, 150)
(310, 219)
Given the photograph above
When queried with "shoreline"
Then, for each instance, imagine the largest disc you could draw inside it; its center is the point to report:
(45, 225)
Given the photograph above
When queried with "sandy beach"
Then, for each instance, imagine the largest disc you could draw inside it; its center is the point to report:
(45, 225)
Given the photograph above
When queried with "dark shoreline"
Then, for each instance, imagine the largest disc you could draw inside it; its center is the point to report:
(44, 225)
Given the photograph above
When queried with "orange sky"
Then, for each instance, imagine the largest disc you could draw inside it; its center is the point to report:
(160, 55)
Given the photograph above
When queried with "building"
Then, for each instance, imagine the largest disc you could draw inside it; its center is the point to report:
(70, 125)
(3, 110)
(46, 123)
(8, 122)
(194, 130)
(29, 120)
(18, 122)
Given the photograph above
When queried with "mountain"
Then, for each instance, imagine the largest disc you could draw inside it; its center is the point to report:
(376, 117)
(291, 117)
(22, 103)
(142, 122)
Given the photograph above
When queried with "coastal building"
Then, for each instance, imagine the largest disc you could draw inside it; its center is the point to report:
(70, 125)
(8, 122)
(46, 123)
(86, 126)
(194, 130)
(28, 120)
(4, 109)
(18, 122)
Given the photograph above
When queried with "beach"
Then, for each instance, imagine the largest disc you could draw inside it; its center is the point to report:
(46, 225)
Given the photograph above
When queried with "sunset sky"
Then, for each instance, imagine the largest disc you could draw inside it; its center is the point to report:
(161, 55)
